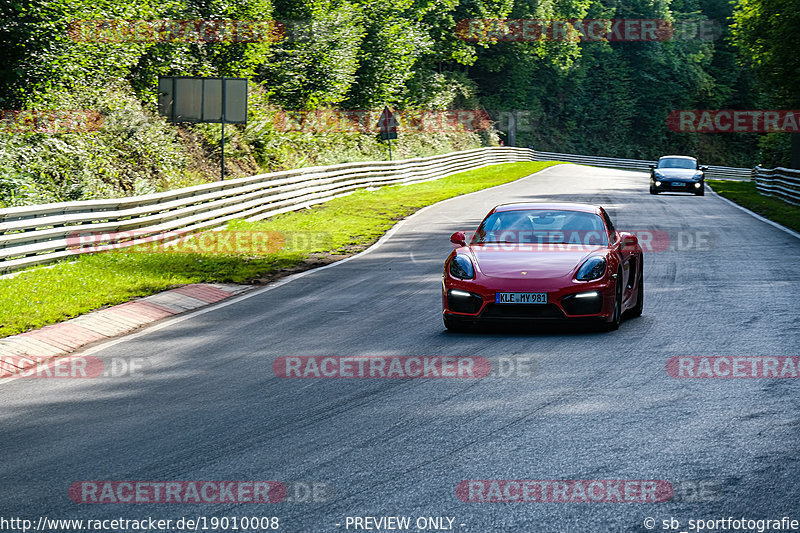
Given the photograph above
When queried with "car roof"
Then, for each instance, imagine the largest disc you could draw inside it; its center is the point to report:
(677, 157)
(564, 206)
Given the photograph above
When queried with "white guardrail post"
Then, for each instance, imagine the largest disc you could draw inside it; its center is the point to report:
(39, 234)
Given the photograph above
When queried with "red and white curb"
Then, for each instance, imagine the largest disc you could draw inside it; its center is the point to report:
(21, 352)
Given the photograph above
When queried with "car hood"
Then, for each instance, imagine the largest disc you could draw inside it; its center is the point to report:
(538, 261)
(678, 173)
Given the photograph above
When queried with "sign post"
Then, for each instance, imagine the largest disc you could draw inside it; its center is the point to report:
(193, 99)
(222, 138)
(387, 124)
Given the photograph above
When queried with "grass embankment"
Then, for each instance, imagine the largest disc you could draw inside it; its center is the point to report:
(43, 296)
(745, 194)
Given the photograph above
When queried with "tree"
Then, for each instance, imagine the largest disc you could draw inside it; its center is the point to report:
(766, 33)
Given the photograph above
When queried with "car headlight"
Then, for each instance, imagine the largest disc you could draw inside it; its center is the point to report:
(658, 184)
(697, 185)
(592, 268)
(461, 267)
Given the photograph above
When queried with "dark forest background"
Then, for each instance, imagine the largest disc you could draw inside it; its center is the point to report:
(597, 98)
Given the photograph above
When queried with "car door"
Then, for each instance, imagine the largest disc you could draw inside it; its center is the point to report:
(627, 258)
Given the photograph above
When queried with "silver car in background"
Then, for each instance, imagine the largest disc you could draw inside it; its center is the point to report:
(677, 173)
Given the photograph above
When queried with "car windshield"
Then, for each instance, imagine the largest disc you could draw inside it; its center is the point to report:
(542, 226)
(677, 162)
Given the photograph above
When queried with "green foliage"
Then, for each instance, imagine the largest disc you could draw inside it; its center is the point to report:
(42, 56)
(613, 98)
(765, 34)
(133, 152)
(336, 53)
(604, 98)
(315, 65)
(775, 150)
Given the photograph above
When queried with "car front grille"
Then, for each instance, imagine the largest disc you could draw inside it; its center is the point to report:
(522, 311)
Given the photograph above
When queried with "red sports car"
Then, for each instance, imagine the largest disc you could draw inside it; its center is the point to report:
(543, 261)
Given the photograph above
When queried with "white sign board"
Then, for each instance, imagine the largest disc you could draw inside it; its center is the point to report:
(190, 99)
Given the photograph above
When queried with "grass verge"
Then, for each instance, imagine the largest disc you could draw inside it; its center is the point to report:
(745, 194)
(42, 296)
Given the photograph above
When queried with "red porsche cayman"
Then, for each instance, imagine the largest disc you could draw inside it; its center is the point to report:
(542, 261)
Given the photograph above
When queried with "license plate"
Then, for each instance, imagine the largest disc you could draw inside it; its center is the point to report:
(678, 184)
(520, 297)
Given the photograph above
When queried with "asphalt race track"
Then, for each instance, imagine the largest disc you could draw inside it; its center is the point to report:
(591, 406)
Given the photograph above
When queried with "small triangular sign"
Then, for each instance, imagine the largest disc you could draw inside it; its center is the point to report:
(387, 124)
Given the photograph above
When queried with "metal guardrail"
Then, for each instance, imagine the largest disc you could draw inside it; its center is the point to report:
(39, 234)
(781, 182)
(714, 172)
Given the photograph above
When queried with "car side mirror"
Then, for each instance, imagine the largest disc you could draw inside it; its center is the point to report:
(629, 240)
(652, 167)
(704, 169)
(458, 238)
